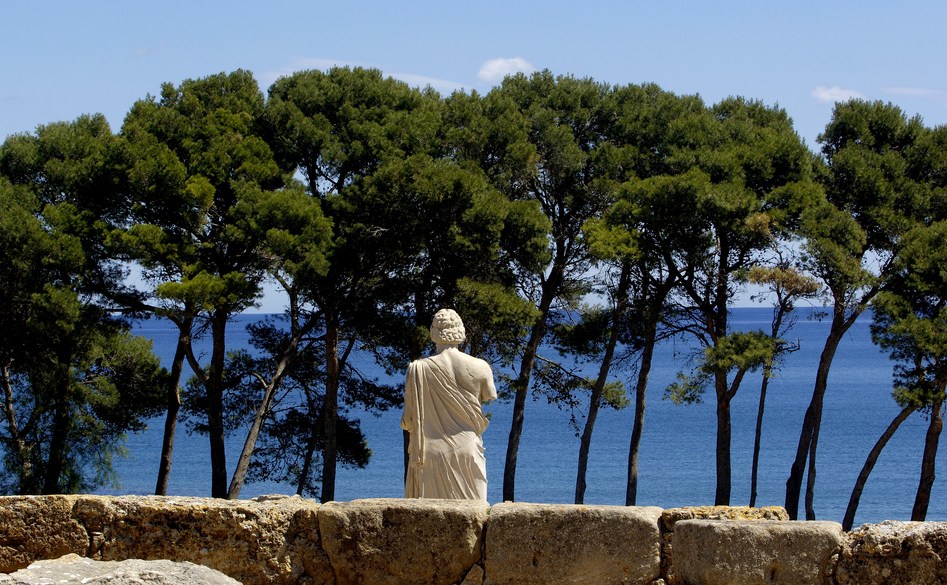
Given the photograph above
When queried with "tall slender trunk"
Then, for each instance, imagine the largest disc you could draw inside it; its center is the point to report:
(311, 444)
(783, 306)
(641, 388)
(521, 385)
(62, 416)
(716, 315)
(595, 399)
(754, 474)
(811, 470)
(24, 463)
(269, 392)
(331, 413)
(722, 494)
(928, 463)
(174, 405)
(870, 461)
(249, 445)
(215, 405)
(813, 415)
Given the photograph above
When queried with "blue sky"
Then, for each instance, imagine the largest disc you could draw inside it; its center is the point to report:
(60, 59)
(63, 58)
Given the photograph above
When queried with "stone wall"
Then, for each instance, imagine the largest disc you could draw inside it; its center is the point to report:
(395, 541)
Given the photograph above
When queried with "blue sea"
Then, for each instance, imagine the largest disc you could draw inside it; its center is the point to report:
(676, 463)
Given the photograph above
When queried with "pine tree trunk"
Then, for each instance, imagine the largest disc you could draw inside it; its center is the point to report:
(595, 400)
(722, 494)
(269, 392)
(215, 406)
(61, 418)
(311, 444)
(813, 417)
(331, 412)
(174, 405)
(23, 463)
(870, 461)
(783, 307)
(811, 473)
(249, 445)
(641, 388)
(754, 473)
(928, 463)
(521, 385)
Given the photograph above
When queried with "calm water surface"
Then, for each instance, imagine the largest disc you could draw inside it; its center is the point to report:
(676, 462)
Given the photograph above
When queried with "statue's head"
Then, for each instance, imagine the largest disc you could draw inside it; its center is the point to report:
(448, 328)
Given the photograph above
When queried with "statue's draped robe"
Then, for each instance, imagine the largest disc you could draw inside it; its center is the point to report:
(443, 415)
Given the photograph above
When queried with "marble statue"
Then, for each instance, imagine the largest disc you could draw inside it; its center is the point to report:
(443, 414)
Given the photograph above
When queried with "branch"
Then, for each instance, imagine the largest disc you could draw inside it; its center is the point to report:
(8, 405)
(560, 368)
(195, 365)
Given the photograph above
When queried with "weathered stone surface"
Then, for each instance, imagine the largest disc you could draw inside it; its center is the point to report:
(38, 527)
(566, 544)
(73, 569)
(271, 541)
(279, 539)
(903, 553)
(723, 552)
(670, 517)
(474, 576)
(397, 541)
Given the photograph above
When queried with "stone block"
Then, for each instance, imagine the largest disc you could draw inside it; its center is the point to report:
(72, 569)
(889, 553)
(723, 552)
(570, 544)
(38, 527)
(670, 517)
(399, 541)
(270, 541)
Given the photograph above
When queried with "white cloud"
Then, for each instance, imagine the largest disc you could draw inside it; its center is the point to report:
(495, 70)
(835, 94)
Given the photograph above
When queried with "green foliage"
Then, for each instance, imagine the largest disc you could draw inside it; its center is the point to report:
(875, 186)
(293, 438)
(546, 143)
(587, 336)
(738, 352)
(458, 241)
(75, 380)
(567, 387)
(688, 389)
(374, 204)
(787, 281)
(910, 318)
(339, 125)
(741, 351)
(121, 380)
(207, 216)
(496, 318)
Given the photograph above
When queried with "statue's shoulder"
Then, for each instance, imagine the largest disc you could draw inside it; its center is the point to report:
(475, 363)
(416, 365)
